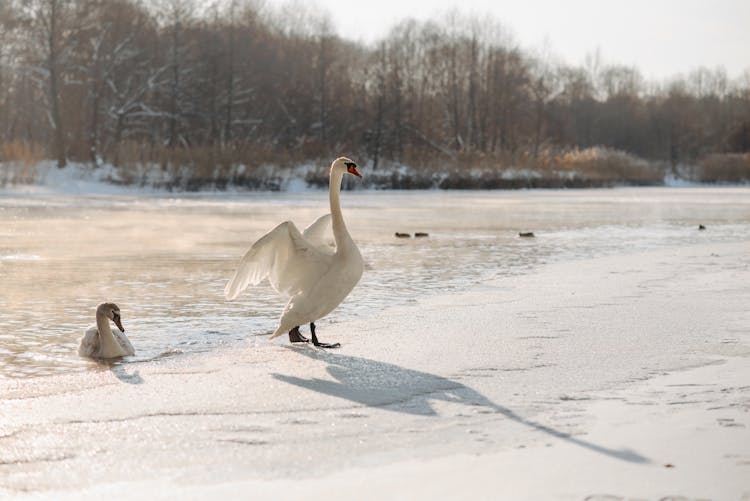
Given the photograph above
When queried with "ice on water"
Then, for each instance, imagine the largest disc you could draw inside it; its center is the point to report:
(166, 259)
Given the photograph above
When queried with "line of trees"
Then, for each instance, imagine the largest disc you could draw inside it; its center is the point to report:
(175, 81)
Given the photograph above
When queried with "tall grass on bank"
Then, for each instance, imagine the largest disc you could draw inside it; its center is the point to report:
(18, 162)
(191, 168)
(723, 168)
(254, 167)
(592, 167)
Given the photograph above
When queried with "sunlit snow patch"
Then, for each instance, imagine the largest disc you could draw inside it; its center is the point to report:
(20, 257)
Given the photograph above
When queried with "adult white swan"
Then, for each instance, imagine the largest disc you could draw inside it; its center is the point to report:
(304, 266)
(99, 341)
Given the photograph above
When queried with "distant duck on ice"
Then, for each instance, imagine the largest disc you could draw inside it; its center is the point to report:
(100, 341)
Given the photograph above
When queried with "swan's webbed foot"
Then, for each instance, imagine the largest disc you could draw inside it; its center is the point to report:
(318, 343)
(296, 337)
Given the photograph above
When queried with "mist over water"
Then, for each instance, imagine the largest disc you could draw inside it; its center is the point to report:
(165, 260)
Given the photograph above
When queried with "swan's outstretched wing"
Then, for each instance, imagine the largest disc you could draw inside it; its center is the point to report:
(320, 234)
(285, 257)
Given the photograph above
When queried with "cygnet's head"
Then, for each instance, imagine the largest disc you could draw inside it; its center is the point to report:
(112, 312)
(345, 165)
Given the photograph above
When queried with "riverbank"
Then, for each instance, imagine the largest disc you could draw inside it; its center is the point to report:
(588, 168)
(623, 376)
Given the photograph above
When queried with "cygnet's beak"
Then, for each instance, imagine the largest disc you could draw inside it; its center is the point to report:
(352, 169)
(118, 323)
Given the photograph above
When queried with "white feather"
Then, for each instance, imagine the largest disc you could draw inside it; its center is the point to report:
(289, 261)
(320, 234)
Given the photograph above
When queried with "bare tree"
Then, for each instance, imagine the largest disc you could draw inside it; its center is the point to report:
(52, 20)
(243, 81)
(543, 86)
(177, 16)
(323, 65)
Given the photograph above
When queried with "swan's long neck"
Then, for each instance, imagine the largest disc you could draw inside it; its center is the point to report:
(340, 233)
(106, 337)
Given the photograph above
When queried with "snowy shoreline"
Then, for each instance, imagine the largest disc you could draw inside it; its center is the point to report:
(579, 379)
(78, 178)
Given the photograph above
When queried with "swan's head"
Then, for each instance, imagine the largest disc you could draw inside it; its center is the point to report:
(112, 312)
(343, 164)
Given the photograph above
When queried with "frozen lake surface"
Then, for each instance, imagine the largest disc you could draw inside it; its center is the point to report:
(605, 358)
(165, 260)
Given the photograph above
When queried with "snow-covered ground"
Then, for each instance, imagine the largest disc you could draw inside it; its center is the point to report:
(78, 178)
(587, 168)
(46, 178)
(611, 378)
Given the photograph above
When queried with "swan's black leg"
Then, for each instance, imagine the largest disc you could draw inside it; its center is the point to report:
(318, 343)
(296, 337)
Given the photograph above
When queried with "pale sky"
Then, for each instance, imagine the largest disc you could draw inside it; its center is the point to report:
(660, 37)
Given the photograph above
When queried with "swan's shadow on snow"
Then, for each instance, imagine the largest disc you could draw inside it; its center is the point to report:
(119, 367)
(132, 378)
(388, 386)
(120, 371)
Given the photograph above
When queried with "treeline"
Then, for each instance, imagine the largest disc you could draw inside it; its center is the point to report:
(177, 84)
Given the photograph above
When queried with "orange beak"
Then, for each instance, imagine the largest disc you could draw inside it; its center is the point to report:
(353, 170)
